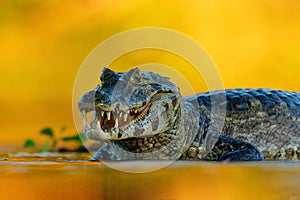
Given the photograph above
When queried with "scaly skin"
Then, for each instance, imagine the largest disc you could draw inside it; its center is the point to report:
(142, 115)
(268, 119)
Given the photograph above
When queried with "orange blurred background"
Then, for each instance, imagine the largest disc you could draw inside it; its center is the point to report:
(43, 43)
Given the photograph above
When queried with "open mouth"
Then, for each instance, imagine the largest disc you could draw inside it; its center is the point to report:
(117, 122)
(109, 121)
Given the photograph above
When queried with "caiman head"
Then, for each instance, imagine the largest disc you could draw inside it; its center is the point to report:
(130, 105)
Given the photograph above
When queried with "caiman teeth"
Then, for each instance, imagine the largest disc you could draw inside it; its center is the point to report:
(108, 115)
(139, 117)
(98, 125)
(116, 123)
(112, 120)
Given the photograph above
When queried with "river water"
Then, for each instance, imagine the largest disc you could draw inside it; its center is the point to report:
(75, 177)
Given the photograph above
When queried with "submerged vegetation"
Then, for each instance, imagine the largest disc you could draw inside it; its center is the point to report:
(57, 142)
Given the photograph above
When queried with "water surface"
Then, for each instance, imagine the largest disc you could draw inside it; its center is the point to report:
(75, 177)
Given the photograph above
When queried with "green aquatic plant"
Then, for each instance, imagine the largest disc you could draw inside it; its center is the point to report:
(52, 144)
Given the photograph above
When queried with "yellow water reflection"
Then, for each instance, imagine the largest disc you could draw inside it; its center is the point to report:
(183, 180)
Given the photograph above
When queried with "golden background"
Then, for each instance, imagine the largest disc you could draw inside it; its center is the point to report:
(43, 43)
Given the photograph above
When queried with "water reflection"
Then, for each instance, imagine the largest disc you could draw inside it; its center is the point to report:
(183, 180)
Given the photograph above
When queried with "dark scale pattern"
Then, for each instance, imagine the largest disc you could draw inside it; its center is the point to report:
(268, 119)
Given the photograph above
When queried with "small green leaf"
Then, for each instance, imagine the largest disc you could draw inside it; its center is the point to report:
(29, 143)
(45, 146)
(80, 138)
(47, 131)
(71, 138)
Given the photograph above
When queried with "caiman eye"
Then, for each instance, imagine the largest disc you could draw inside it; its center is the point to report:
(145, 80)
(136, 80)
(139, 79)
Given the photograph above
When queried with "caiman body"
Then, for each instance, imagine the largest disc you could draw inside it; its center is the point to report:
(142, 115)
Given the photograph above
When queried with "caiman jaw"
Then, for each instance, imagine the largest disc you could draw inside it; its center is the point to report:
(110, 122)
(120, 119)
